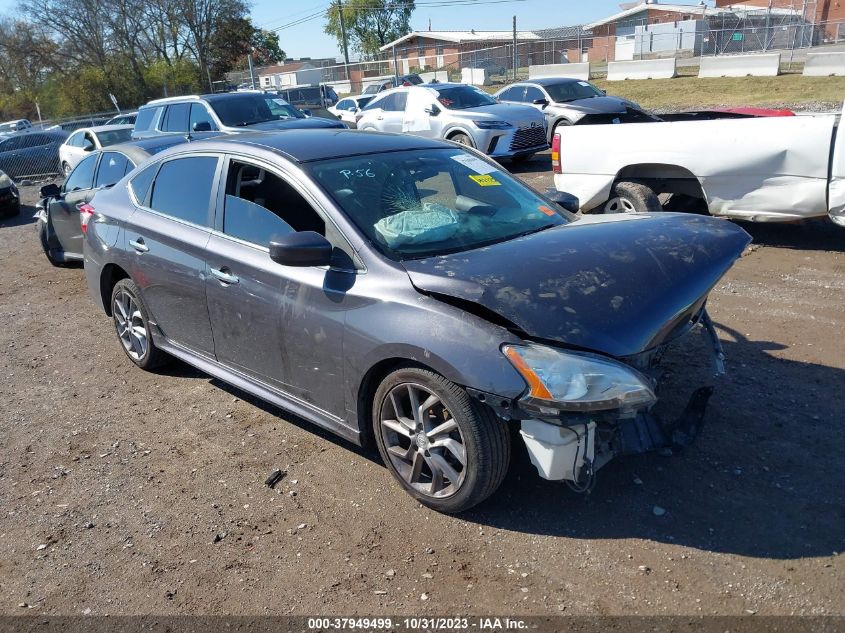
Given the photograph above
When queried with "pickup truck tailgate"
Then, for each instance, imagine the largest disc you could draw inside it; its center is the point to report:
(836, 188)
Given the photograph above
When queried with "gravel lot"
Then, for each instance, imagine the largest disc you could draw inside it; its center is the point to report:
(125, 492)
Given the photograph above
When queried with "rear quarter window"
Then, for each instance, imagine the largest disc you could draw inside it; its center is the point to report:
(140, 184)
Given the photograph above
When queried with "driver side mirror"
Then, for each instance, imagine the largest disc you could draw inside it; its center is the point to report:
(563, 199)
(541, 102)
(432, 110)
(88, 147)
(305, 111)
(51, 191)
(202, 126)
(305, 248)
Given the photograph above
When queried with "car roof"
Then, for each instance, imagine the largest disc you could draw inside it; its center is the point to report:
(552, 81)
(142, 148)
(302, 146)
(104, 128)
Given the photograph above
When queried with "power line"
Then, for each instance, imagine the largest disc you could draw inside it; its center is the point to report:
(432, 3)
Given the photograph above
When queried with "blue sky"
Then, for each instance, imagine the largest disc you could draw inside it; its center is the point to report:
(308, 39)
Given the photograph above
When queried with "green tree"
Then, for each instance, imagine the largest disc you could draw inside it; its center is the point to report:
(266, 49)
(370, 24)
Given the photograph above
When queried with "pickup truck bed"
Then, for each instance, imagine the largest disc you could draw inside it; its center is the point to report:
(766, 169)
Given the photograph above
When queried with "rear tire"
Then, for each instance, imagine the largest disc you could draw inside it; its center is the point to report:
(450, 455)
(632, 197)
(131, 321)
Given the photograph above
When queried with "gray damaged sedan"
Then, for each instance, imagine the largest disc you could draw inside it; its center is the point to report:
(409, 292)
(567, 101)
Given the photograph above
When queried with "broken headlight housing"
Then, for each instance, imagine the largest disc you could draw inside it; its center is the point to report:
(575, 381)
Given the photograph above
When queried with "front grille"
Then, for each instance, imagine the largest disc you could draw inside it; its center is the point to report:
(528, 137)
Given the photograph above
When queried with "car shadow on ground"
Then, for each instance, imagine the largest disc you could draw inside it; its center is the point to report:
(539, 163)
(819, 234)
(763, 480)
(24, 217)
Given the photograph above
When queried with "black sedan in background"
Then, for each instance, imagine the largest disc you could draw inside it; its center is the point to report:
(10, 200)
(57, 214)
(32, 153)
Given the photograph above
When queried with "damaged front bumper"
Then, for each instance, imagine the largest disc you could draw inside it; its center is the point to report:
(573, 447)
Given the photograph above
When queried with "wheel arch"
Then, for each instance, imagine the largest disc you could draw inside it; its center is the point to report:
(370, 382)
(110, 275)
(450, 133)
(664, 178)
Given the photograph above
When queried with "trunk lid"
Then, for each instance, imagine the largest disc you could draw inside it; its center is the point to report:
(619, 285)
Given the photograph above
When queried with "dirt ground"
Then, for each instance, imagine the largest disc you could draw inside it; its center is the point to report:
(125, 492)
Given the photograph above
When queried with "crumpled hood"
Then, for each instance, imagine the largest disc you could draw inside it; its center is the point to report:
(596, 105)
(299, 124)
(619, 285)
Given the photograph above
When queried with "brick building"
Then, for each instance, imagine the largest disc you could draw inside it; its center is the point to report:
(828, 15)
(429, 50)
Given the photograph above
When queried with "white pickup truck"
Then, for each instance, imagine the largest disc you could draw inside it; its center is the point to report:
(766, 169)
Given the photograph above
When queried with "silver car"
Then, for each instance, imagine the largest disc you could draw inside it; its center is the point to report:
(567, 101)
(461, 113)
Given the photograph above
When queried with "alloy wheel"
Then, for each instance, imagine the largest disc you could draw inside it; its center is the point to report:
(423, 440)
(130, 325)
(619, 205)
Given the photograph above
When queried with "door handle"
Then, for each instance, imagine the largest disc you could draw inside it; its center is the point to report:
(379, 118)
(139, 245)
(224, 276)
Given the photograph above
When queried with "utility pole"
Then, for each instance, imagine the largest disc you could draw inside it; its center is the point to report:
(251, 71)
(343, 37)
(515, 53)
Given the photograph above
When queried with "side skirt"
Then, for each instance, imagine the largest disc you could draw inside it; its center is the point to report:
(265, 392)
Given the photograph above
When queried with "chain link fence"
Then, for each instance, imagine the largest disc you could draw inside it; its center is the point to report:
(792, 31)
(31, 154)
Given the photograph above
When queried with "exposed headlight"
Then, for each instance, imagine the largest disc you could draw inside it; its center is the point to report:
(573, 381)
(5, 181)
(492, 125)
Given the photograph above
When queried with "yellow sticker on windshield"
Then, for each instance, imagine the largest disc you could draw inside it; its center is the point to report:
(484, 180)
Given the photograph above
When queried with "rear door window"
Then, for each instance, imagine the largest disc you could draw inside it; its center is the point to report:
(532, 94)
(176, 118)
(168, 193)
(111, 169)
(144, 121)
(83, 176)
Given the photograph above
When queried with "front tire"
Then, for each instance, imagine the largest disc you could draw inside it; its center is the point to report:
(446, 450)
(629, 196)
(41, 230)
(462, 139)
(131, 322)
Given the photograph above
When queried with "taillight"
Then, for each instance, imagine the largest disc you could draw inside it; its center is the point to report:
(86, 212)
(556, 153)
